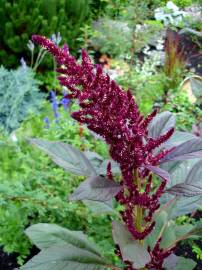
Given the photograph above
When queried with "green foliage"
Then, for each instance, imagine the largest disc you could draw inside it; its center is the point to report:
(112, 37)
(143, 84)
(197, 250)
(179, 3)
(17, 24)
(29, 197)
(183, 3)
(180, 105)
(19, 95)
(65, 130)
(121, 34)
(34, 190)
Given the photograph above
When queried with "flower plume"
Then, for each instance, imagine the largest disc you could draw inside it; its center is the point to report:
(111, 112)
(106, 109)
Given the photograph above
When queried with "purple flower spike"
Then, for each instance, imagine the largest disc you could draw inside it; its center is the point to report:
(113, 114)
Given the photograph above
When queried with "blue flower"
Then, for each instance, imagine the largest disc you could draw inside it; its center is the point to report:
(65, 102)
(54, 104)
(47, 122)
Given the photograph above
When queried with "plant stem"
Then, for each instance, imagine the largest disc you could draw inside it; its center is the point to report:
(32, 58)
(23, 198)
(138, 213)
(114, 267)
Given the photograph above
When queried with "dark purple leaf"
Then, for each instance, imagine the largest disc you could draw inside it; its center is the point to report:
(131, 250)
(114, 167)
(183, 205)
(178, 138)
(45, 235)
(192, 185)
(66, 156)
(186, 189)
(158, 171)
(161, 124)
(100, 207)
(96, 188)
(195, 175)
(196, 231)
(171, 262)
(65, 257)
(178, 263)
(187, 150)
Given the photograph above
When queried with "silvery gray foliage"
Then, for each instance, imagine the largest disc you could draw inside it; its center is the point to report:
(19, 95)
(170, 14)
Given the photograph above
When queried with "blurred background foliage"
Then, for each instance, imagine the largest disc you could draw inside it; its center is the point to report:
(21, 19)
(160, 63)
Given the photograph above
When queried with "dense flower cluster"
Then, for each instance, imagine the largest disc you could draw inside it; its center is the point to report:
(113, 114)
(158, 255)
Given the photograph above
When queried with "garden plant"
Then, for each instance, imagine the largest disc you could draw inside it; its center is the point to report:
(146, 176)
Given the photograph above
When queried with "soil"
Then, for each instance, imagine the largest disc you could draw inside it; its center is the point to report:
(9, 261)
(185, 250)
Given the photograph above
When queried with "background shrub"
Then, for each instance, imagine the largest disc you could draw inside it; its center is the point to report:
(33, 189)
(20, 19)
(19, 95)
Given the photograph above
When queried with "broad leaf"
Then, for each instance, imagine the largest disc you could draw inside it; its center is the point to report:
(44, 235)
(196, 86)
(171, 166)
(171, 233)
(179, 172)
(96, 188)
(66, 156)
(195, 174)
(131, 250)
(159, 172)
(175, 233)
(187, 150)
(161, 219)
(184, 205)
(99, 207)
(178, 263)
(94, 159)
(177, 138)
(192, 185)
(161, 124)
(114, 167)
(186, 189)
(65, 257)
(196, 231)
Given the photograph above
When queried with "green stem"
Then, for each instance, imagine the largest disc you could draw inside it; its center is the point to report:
(39, 59)
(32, 58)
(23, 198)
(138, 213)
(114, 267)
